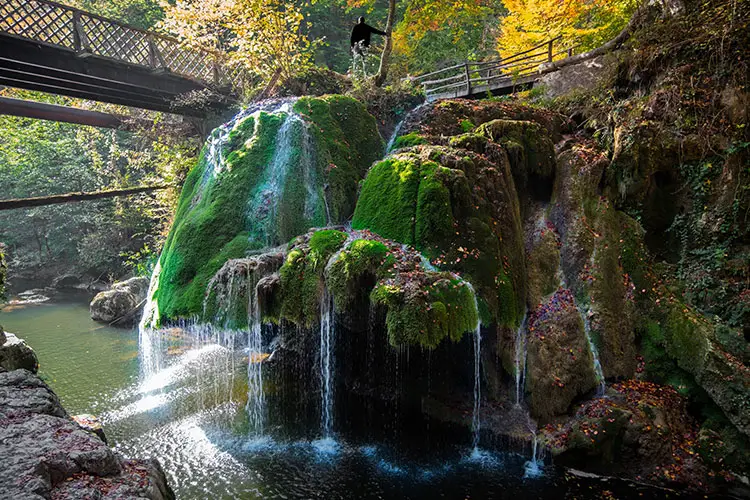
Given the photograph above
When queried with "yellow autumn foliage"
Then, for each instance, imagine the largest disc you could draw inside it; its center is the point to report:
(263, 36)
(584, 24)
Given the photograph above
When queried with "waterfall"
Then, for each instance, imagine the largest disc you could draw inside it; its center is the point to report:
(149, 339)
(326, 362)
(256, 403)
(394, 136)
(397, 130)
(520, 355)
(532, 468)
(264, 204)
(601, 383)
(475, 419)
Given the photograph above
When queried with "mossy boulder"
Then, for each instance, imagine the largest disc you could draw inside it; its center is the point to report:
(531, 153)
(262, 179)
(603, 257)
(458, 208)
(362, 272)
(559, 361)
(452, 117)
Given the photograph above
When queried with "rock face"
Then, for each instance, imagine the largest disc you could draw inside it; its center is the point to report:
(45, 454)
(640, 430)
(560, 366)
(15, 353)
(120, 301)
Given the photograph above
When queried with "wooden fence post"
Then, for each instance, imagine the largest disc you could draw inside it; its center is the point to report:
(468, 78)
(80, 42)
(216, 70)
(549, 51)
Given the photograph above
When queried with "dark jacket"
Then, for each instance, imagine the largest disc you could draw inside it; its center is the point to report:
(362, 32)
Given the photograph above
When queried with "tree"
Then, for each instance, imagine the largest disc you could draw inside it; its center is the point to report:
(385, 57)
(584, 24)
(264, 36)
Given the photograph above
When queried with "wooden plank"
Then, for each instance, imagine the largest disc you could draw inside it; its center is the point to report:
(417, 78)
(432, 82)
(40, 201)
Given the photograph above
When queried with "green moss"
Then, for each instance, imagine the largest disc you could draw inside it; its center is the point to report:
(345, 275)
(467, 125)
(215, 209)
(302, 277)
(408, 140)
(210, 215)
(529, 147)
(351, 144)
(323, 243)
(443, 310)
(434, 221)
(388, 199)
(439, 205)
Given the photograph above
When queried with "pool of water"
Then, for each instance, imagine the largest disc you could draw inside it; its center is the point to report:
(191, 416)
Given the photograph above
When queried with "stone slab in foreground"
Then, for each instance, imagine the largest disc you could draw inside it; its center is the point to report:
(45, 454)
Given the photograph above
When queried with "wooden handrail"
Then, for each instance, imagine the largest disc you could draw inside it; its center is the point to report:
(482, 73)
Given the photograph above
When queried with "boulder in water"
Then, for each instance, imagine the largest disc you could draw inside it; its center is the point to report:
(15, 353)
(121, 302)
(67, 281)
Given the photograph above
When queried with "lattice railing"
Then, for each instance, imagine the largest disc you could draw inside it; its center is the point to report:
(50, 23)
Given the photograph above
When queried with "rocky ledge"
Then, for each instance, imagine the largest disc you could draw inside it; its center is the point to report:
(15, 353)
(45, 454)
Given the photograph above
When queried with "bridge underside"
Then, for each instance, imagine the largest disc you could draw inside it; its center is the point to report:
(32, 66)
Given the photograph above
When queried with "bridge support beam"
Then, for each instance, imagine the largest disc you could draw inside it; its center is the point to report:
(54, 112)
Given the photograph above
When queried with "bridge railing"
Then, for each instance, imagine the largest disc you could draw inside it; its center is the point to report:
(475, 77)
(87, 34)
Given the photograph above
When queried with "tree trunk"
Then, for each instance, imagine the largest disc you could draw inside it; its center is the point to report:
(385, 57)
(72, 197)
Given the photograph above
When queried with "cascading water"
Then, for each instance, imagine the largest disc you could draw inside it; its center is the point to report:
(326, 363)
(149, 339)
(256, 403)
(532, 468)
(476, 419)
(397, 130)
(520, 355)
(601, 382)
(294, 146)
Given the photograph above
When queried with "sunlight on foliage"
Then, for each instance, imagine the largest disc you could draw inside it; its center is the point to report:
(581, 24)
(264, 36)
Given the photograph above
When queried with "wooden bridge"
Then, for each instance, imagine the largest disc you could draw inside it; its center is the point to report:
(58, 49)
(496, 77)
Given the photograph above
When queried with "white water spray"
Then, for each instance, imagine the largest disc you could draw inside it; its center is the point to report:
(326, 362)
(476, 420)
(520, 355)
(256, 401)
(601, 382)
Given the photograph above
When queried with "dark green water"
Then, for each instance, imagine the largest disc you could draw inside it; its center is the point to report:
(191, 416)
(85, 362)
